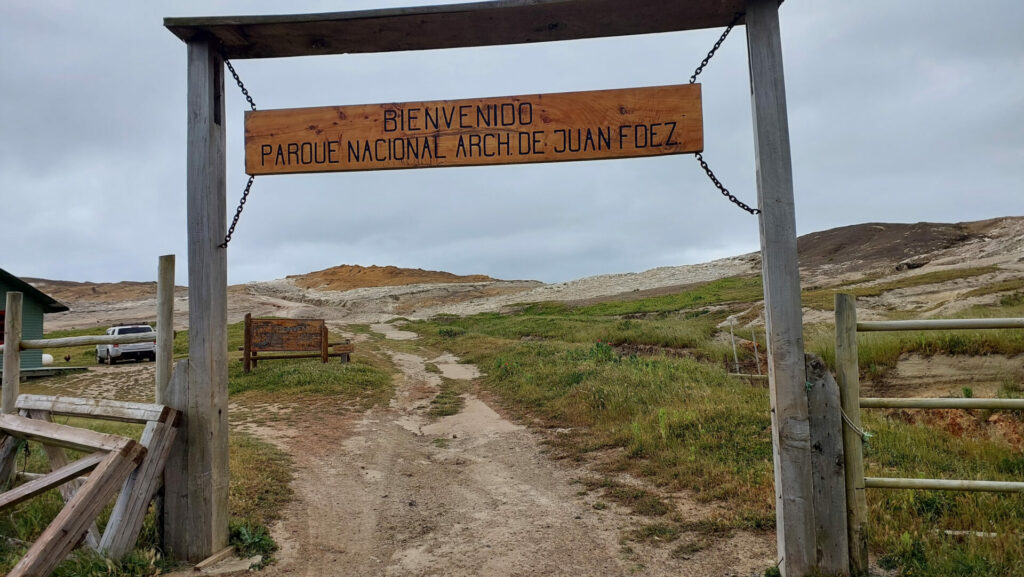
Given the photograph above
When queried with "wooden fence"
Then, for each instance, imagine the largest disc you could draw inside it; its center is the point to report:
(118, 465)
(848, 376)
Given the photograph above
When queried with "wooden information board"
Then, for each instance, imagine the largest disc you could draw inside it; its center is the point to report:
(278, 335)
(591, 125)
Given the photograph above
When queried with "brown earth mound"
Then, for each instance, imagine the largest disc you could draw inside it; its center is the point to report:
(878, 243)
(348, 277)
(92, 292)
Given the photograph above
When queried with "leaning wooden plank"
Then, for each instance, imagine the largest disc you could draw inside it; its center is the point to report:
(51, 480)
(132, 504)
(8, 456)
(70, 525)
(61, 435)
(57, 460)
(95, 408)
(215, 558)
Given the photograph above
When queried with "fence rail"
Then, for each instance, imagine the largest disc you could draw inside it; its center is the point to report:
(944, 485)
(939, 325)
(848, 376)
(941, 403)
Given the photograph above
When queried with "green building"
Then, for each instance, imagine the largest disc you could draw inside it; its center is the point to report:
(35, 304)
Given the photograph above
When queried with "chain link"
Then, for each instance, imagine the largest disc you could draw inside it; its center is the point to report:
(735, 19)
(238, 213)
(725, 191)
(248, 185)
(700, 158)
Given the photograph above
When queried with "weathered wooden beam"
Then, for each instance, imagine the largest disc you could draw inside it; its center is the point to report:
(12, 355)
(940, 324)
(827, 466)
(794, 487)
(196, 507)
(65, 342)
(941, 403)
(164, 325)
(58, 458)
(62, 435)
(848, 378)
(132, 504)
(69, 527)
(56, 478)
(449, 26)
(104, 409)
(944, 485)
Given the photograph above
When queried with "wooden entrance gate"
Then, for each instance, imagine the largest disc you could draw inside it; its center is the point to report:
(197, 525)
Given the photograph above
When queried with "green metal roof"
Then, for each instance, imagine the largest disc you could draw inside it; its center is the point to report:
(48, 303)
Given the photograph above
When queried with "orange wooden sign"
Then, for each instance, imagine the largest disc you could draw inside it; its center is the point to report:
(591, 125)
(287, 335)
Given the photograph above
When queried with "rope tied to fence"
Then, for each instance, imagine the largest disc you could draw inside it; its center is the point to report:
(864, 435)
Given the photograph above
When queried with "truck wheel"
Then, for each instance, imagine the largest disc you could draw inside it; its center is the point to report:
(110, 360)
(99, 360)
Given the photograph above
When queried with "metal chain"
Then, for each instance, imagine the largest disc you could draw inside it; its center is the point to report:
(725, 191)
(700, 158)
(735, 19)
(248, 185)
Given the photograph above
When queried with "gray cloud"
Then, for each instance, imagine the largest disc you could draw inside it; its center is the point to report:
(899, 111)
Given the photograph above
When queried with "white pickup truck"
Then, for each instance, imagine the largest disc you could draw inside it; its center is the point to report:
(110, 354)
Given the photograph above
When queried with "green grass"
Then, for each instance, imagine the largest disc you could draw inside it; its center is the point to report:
(257, 494)
(824, 299)
(1007, 285)
(683, 424)
(737, 289)
(449, 401)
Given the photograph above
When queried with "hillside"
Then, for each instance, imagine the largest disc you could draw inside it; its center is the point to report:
(857, 257)
(348, 277)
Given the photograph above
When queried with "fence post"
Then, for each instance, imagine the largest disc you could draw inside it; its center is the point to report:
(848, 377)
(247, 345)
(12, 353)
(11, 382)
(164, 326)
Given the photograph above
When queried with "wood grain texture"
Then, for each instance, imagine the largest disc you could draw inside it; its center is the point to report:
(64, 342)
(449, 26)
(11, 381)
(58, 458)
(107, 410)
(61, 435)
(69, 527)
(55, 478)
(599, 124)
(275, 335)
(122, 530)
(794, 487)
(827, 465)
(198, 521)
(848, 378)
(164, 325)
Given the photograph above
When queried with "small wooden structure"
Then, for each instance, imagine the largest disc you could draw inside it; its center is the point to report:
(35, 304)
(302, 338)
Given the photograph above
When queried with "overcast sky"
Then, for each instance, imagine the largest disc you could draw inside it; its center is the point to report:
(899, 111)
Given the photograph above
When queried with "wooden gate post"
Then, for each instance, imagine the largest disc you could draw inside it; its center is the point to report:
(12, 353)
(196, 518)
(794, 492)
(164, 325)
(848, 377)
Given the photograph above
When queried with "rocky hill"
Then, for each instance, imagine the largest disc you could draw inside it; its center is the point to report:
(865, 253)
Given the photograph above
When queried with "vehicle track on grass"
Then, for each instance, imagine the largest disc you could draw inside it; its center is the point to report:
(394, 492)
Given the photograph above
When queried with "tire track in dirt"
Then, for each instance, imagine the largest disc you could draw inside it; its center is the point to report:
(394, 493)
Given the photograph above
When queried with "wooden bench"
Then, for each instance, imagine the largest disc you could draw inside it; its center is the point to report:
(298, 338)
(112, 462)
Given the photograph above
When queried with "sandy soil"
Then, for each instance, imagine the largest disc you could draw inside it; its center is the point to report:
(395, 493)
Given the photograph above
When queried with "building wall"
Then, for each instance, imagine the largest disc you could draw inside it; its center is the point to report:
(31, 328)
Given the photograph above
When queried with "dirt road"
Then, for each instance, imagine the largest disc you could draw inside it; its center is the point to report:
(394, 492)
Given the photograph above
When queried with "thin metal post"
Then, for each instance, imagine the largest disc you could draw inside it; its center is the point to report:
(735, 359)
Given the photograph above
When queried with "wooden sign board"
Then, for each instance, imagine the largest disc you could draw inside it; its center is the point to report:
(592, 125)
(277, 335)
